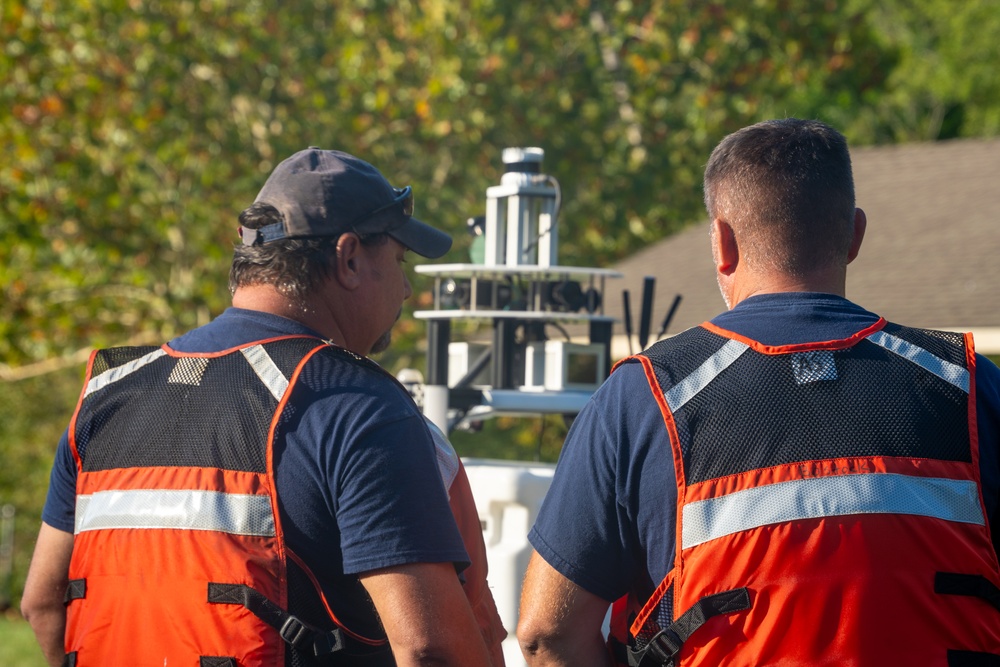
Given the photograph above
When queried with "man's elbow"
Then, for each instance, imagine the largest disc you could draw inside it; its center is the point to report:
(33, 608)
(429, 655)
(536, 639)
(444, 649)
(544, 642)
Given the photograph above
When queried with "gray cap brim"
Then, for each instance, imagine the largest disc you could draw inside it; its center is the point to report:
(421, 238)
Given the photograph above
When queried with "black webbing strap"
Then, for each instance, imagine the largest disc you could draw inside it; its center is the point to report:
(972, 659)
(69, 660)
(76, 589)
(216, 661)
(301, 636)
(973, 585)
(667, 643)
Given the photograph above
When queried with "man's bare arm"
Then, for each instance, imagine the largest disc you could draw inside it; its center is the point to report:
(559, 622)
(44, 590)
(426, 615)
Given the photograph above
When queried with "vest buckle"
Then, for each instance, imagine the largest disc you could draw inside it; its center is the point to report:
(295, 632)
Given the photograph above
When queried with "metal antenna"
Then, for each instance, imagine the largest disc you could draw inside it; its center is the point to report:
(628, 319)
(670, 316)
(648, 285)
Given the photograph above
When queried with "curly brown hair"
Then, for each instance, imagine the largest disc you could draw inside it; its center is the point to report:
(294, 266)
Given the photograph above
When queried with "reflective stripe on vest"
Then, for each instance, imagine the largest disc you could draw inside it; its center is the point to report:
(235, 514)
(117, 373)
(945, 370)
(689, 387)
(167, 507)
(819, 497)
(835, 482)
(266, 370)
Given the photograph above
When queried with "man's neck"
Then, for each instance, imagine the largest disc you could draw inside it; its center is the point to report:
(267, 299)
(744, 287)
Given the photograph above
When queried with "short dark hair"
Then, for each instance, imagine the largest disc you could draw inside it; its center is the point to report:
(295, 267)
(786, 188)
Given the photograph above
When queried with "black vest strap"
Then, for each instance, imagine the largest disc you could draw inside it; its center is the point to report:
(75, 590)
(667, 643)
(972, 659)
(69, 660)
(216, 661)
(974, 585)
(301, 636)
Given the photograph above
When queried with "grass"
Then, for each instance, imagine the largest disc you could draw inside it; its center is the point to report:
(17, 643)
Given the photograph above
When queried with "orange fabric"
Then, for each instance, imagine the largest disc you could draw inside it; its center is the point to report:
(76, 412)
(828, 468)
(841, 344)
(818, 599)
(189, 479)
(477, 590)
(151, 574)
(131, 575)
(146, 594)
(221, 353)
(833, 590)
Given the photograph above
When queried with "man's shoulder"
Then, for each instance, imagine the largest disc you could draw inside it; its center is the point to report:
(339, 382)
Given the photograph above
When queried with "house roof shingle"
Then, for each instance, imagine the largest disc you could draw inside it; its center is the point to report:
(929, 256)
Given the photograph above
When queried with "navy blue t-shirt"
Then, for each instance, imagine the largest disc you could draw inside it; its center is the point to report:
(356, 477)
(617, 537)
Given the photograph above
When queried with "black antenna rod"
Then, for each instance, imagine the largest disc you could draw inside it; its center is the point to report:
(626, 306)
(648, 285)
(670, 316)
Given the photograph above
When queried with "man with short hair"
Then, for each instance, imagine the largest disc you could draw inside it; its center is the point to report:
(257, 491)
(797, 481)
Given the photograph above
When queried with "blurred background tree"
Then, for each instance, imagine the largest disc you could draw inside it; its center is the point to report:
(134, 131)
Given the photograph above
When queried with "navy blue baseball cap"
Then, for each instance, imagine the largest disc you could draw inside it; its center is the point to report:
(327, 193)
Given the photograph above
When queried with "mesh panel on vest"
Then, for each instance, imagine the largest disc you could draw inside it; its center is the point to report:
(864, 401)
(213, 412)
(114, 357)
(683, 354)
(947, 345)
(308, 608)
(182, 411)
(662, 618)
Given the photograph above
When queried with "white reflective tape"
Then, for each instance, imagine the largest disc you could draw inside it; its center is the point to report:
(188, 370)
(118, 372)
(235, 514)
(818, 497)
(266, 370)
(947, 371)
(688, 388)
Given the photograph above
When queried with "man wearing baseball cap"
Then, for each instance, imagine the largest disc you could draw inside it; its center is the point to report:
(257, 491)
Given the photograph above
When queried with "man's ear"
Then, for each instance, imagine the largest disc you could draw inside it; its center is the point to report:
(860, 225)
(347, 261)
(725, 250)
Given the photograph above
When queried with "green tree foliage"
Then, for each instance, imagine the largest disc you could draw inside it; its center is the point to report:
(944, 84)
(34, 414)
(134, 131)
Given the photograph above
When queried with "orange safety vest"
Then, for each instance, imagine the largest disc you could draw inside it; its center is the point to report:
(178, 554)
(829, 505)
